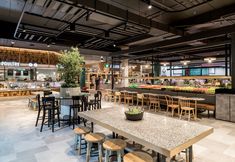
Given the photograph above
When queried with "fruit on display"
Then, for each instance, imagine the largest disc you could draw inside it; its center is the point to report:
(210, 90)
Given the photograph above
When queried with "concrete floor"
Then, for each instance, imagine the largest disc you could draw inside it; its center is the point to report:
(21, 141)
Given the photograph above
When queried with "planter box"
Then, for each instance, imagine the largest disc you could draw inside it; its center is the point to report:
(66, 92)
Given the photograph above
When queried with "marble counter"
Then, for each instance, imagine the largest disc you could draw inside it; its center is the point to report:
(162, 134)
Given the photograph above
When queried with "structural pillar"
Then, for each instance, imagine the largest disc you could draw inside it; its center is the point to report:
(124, 65)
(233, 60)
(156, 69)
(112, 75)
(83, 77)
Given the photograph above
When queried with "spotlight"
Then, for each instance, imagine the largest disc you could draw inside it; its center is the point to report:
(12, 42)
(114, 45)
(48, 45)
(185, 62)
(150, 6)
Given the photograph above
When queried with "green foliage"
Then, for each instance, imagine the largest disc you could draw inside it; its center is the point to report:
(70, 67)
(133, 85)
(134, 111)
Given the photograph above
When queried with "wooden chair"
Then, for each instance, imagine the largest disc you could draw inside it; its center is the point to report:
(110, 95)
(185, 105)
(140, 98)
(117, 96)
(154, 102)
(114, 145)
(128, 97)
(137, 156)
(171, 105)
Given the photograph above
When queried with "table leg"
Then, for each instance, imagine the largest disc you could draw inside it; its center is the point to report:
(92, 127)
(195, 114)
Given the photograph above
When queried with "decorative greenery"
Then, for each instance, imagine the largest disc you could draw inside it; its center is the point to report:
(134, 111)
(70, 67)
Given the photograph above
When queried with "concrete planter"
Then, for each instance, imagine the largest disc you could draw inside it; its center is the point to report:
(66, 92)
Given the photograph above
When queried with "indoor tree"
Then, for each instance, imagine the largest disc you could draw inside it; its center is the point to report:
(70, 67)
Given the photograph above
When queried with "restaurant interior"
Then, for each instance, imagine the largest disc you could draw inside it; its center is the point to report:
(116, 80)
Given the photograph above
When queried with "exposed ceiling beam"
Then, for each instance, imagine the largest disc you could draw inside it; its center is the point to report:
(121, 14)
(185, 49)
(181, 40)
(206, 17)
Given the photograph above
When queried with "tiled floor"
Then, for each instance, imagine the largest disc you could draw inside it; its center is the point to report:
(20, 141)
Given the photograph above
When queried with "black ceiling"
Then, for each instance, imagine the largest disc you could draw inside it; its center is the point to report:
(127, 29)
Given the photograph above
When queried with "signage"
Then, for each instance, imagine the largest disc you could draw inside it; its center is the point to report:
(5, 63)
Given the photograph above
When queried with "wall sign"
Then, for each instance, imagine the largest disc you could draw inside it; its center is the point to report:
(5, 63)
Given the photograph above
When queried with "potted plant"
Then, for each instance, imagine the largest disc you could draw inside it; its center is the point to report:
(70, 67)
(134, 114)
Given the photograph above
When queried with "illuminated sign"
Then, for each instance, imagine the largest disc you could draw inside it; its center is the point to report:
(4, 63)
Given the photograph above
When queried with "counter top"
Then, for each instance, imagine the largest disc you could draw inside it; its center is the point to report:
(163, 134)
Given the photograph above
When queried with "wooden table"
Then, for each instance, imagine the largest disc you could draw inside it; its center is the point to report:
(164, 135)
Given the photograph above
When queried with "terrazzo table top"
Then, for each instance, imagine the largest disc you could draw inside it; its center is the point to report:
(165, 135)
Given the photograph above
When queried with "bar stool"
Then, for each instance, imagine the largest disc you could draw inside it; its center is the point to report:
(79, 133)
(92, 138)
(111, 145)
(137, 156)
(117, 96)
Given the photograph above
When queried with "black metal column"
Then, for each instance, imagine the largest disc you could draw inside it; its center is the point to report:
(233, 60)
(226, 60)
(152, 80)
(112, 77)
(171, 69)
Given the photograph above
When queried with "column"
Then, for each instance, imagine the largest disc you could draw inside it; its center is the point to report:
(156, 69)
(233, 60)
(124, 69)
(83, 77)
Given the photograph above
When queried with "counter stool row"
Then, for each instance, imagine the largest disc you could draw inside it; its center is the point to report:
(110, 145)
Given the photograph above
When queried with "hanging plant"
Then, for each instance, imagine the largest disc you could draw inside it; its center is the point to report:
(70, 67)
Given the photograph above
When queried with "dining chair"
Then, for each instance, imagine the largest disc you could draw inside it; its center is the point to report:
(117, 96)
(128, 98)
(154, 102)
(140, 98)
(170, 103)
(185, 106)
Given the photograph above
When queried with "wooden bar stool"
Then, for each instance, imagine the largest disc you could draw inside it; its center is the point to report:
(92, 138)
(128, 98)
(114, 145)
(79, 133)
(137, 156)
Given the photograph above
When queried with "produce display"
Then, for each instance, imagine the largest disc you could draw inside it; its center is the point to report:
(210, 90)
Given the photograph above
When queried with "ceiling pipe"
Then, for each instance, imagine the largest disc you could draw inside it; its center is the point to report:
(21, 17)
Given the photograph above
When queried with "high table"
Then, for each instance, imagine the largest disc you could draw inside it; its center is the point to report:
(164, 135)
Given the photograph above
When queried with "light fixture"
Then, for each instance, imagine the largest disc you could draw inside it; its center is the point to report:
(101, 59)
(12, 42)
(114, 45)
(185, 62)
(150, 6)
(146, 66)
(48, 45)
(72, 27)
(210, 59)
(23, 27)
(164, 63)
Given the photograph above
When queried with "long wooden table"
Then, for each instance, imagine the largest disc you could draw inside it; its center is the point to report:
(164, 135)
